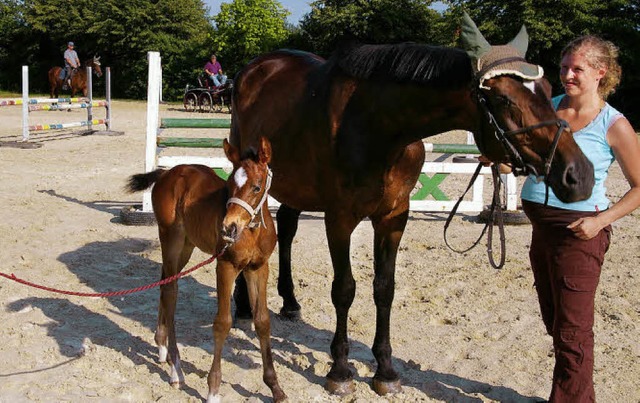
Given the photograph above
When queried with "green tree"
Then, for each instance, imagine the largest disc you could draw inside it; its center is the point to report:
(373, 21)
(247, 28)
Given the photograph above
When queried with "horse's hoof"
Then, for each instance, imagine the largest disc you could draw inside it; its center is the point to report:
(291, 314)
(340, 388)
(176, 385)
(279, 396)
(383, 388)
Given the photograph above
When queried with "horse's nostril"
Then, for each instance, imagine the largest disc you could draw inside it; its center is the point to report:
(230, 231)
(570, 178)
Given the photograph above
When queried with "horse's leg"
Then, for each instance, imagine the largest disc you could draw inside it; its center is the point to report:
(257, 287)
(176, 251)
(388, 230)
(287, 219)
(343, 289)
(225, 275)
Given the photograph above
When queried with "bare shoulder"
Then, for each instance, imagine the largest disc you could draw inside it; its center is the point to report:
(621, 134)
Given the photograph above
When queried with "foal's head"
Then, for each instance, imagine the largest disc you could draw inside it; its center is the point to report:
(248, 187)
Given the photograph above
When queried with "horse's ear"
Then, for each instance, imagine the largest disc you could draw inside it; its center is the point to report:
(264, 153)
(231, 152)
(472, 39)
(521, 41)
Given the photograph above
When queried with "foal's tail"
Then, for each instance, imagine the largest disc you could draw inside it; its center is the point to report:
(144, 181)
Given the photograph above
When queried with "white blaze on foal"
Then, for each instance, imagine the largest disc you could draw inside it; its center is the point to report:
(240, 177)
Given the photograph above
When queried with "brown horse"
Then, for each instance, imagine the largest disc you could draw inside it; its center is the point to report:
(347, 138)
(195, 208)
(78, 78)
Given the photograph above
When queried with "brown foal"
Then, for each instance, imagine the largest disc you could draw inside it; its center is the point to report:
(196, 208)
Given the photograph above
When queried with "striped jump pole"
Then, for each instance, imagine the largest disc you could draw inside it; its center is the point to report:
(33, 101)
(54, 107)
(57, 126)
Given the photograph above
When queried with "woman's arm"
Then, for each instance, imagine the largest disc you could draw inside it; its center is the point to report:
(624, 142)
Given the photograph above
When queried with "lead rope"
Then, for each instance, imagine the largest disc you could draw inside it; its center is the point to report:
(490, 220)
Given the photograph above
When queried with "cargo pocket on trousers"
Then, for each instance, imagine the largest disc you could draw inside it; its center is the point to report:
(577, 304)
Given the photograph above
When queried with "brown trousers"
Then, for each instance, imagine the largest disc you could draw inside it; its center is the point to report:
(566, 272)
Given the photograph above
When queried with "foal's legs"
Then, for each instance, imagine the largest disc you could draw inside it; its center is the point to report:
(257, 292)
(176, 251)
(257, 287)
(343, 289)
(287, 219)
(225, 275)
(387, 234)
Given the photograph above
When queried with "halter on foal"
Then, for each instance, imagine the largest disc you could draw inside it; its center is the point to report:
(196, 208)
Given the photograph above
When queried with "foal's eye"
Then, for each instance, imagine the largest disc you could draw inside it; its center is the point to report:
(256, 188)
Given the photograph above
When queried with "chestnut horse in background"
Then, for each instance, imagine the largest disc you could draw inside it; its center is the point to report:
(346, 135)
(78, 78)
(196, 208)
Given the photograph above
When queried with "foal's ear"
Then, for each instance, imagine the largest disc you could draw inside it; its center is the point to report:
(264, 153)
(232, 152)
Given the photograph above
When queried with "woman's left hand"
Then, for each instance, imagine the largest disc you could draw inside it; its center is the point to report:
(585, 228)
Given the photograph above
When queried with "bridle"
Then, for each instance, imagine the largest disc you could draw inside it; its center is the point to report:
(253, 212)
(518, 165)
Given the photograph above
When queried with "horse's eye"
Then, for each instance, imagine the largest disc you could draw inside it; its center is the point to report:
(504, 100)
(256, 188)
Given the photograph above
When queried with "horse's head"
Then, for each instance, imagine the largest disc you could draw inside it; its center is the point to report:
(519, 125)
(248, 187)
(95, 65)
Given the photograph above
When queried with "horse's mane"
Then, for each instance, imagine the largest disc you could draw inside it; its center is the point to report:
(406, 62)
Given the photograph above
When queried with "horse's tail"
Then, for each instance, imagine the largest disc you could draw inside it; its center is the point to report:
(139, 182)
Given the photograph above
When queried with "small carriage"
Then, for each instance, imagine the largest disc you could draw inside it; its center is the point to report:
(206, 97)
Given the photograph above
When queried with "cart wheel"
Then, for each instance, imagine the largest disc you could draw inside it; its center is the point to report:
(190, 102)
(206, 102)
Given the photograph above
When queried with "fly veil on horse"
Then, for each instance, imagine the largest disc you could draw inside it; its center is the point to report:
(195, 208)
(78, 77)
(347, 140)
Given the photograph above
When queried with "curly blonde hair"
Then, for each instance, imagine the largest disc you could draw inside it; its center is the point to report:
(599, 53)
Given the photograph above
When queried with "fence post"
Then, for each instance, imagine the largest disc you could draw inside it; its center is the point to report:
(25, 103)
(153, 104)
(107, 98)
(90, 92)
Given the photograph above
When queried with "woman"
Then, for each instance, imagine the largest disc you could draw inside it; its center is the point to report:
(569, 240)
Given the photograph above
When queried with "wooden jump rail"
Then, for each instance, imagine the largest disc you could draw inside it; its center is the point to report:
(183, 123)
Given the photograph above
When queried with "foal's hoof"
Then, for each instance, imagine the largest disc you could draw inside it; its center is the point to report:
(383, 388)
(291, 314)
(340, 388)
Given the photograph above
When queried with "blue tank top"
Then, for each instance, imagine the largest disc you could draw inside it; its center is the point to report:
(592, 140)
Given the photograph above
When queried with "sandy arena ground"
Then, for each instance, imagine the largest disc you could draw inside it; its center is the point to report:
(461, 331)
